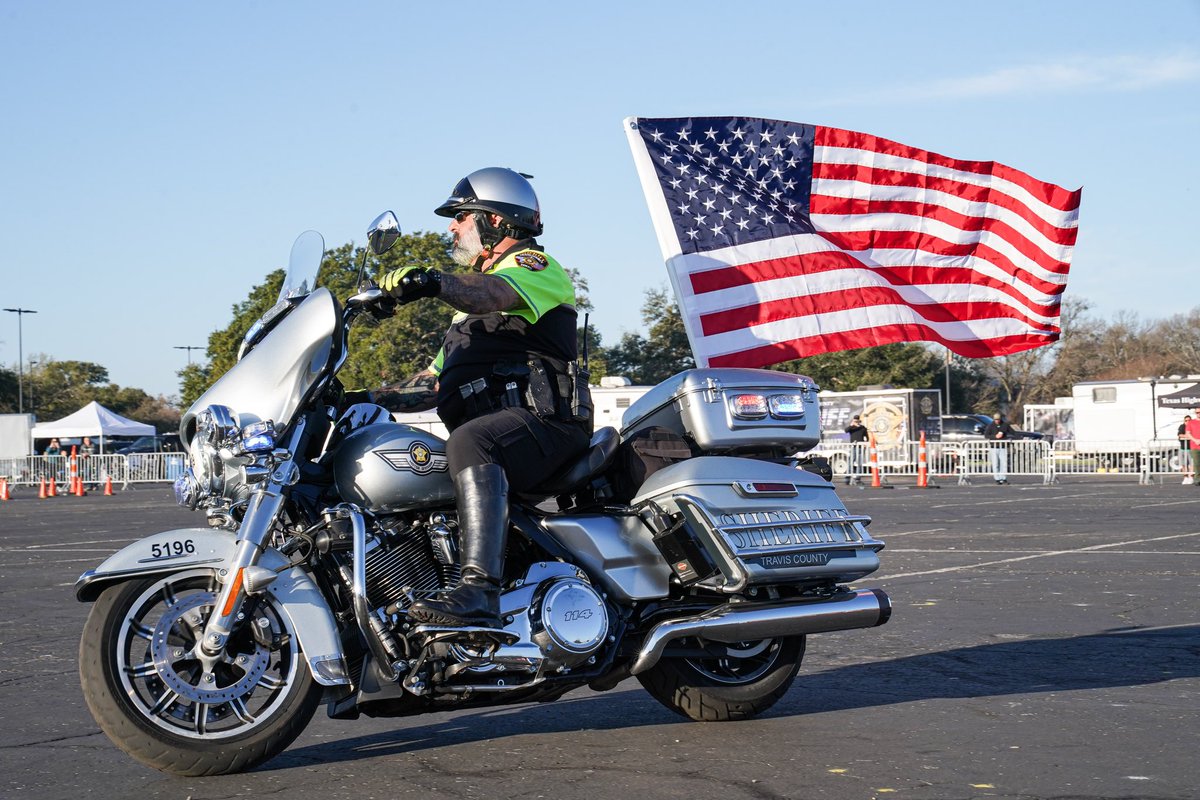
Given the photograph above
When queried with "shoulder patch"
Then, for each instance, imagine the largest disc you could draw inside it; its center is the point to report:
(531, 259)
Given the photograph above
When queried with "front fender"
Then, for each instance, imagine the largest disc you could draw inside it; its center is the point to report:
(188, 548)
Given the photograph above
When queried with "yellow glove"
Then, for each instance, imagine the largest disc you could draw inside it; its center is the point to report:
(410, 283)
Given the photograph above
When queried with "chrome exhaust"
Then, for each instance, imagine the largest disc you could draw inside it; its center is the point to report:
(730, 623)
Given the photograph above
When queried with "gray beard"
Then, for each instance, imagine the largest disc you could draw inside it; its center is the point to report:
(468, 248)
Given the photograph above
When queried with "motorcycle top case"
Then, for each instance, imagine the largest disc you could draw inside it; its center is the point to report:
(764, 523)
(732, 411)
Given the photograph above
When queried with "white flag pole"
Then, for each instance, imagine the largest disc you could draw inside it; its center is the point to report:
(668, 241)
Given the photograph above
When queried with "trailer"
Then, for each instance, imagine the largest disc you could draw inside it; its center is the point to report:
(894, 417)
(1114, 418)
(16, 435)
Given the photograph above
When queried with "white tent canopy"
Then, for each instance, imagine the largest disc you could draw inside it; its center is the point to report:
(92, 420)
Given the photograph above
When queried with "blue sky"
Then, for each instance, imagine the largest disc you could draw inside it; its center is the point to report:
(158, 159)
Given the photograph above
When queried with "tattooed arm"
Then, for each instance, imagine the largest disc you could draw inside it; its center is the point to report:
(418, 393)
(477, 294)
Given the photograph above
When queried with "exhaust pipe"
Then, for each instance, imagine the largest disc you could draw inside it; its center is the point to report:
(864, 608)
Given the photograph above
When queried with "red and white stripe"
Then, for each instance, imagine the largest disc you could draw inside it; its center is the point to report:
(910, 246)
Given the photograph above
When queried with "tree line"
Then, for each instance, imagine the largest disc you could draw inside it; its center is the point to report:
(384, 352)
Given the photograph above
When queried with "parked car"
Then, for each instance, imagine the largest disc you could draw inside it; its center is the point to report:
(161, 443)
(970, 428)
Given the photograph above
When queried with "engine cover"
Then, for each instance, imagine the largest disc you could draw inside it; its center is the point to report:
(569, 621)
(388, 467)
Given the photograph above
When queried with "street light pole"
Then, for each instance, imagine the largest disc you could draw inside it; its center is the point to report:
(20, 312)
(189, 349)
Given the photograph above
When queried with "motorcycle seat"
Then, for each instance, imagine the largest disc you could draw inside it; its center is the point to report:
(595, 460)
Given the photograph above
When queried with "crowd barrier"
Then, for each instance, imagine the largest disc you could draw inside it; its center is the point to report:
(94, 470)
(962, 462)
(965, 462)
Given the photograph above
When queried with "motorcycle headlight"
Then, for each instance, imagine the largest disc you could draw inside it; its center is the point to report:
(216, 427)
(258, 437)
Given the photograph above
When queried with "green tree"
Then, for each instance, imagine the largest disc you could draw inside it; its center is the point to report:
(660, 354)
(55, 389)
(907, 365)
(381, 352)
(8, 391)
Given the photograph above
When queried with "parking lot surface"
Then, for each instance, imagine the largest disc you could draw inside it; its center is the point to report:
(1045, 643)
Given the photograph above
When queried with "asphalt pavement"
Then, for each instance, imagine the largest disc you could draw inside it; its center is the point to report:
(1045, 643)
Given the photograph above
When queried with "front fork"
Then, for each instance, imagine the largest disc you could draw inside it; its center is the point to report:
(243, 577)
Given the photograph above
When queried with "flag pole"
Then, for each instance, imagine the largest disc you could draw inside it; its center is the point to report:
(947, 409)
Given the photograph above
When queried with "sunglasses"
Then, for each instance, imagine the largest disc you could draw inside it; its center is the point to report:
(463, 215)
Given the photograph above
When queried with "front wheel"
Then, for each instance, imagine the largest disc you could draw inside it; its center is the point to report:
(163, 702)
(717, 682)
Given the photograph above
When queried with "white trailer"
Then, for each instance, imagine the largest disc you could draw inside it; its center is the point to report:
(1116, 416)
(16, 435)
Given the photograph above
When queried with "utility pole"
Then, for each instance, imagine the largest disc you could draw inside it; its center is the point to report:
(189, 349)
(20, 312)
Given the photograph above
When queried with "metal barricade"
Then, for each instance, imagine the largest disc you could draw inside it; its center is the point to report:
(995, 460)
(93, 470)
(852, 462)
(156, 467)
(32, 470)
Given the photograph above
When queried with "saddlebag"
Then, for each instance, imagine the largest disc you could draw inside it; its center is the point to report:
(763, 523)
(640, 455)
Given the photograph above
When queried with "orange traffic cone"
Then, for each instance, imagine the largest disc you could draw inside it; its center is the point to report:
(53, 490)
(42, 490)
(922, 464)
(79, 490)
(108, 486)
(874, 451)
(4, 493)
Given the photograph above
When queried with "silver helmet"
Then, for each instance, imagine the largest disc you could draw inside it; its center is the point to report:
(499, 191)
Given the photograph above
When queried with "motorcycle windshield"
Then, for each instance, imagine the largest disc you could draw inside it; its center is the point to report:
(303, 265)
(293, 348)
(273, 379)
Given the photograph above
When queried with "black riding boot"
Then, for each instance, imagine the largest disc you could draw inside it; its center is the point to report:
(482, 528)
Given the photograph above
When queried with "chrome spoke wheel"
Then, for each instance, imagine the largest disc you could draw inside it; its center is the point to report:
(169, 685)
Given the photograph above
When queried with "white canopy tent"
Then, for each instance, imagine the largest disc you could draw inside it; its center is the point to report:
(92, 420)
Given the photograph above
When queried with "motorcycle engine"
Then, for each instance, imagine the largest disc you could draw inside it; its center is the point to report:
(568, 621)
(560, 619)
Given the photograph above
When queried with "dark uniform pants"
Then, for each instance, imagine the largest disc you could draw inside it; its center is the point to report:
(529, 448)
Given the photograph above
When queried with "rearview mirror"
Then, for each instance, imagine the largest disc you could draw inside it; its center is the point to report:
(383, 233)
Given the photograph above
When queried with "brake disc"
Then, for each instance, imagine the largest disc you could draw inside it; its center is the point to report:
(167, 657)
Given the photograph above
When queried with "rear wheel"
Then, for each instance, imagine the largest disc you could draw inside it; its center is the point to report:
(719, 682)
(157, 698)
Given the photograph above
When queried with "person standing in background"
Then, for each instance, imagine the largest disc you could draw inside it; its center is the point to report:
(858, 441)
(998, 432)
(1185, 459)
(1193, 432)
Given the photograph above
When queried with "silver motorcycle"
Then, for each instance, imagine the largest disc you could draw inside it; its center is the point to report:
(207, 650)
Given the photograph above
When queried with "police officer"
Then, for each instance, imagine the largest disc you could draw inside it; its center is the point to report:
(502, 382)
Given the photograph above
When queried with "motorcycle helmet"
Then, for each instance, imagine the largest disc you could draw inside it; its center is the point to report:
(499, 191)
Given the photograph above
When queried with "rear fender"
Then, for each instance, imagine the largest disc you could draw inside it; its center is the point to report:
(191, 548)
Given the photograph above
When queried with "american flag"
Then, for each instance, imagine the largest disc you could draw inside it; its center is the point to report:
(784, 240)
